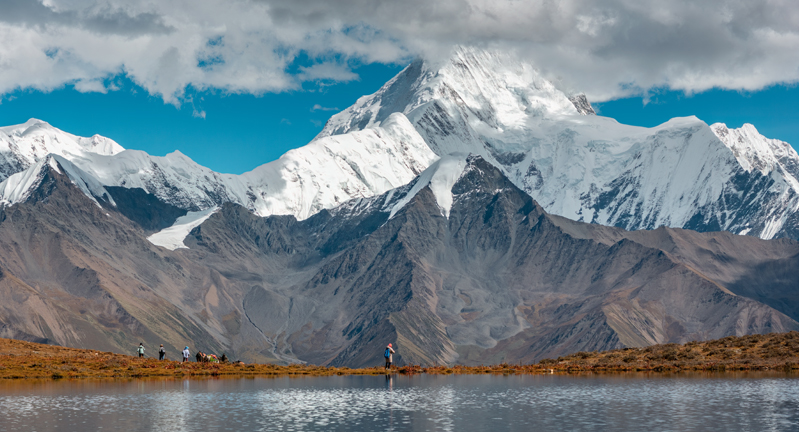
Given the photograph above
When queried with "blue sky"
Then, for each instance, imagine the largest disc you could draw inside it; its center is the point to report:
(238, 133)
(241, 132)
(774, 111)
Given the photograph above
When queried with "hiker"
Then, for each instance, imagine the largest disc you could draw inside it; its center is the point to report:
(186, 354)
(223, 359)
(161, 352)
(200, 356)
(140, 350)
(389, 356)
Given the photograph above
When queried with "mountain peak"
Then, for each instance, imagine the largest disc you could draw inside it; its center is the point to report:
(473, 87)
(23, 145)
(756, 152)
(20, 186)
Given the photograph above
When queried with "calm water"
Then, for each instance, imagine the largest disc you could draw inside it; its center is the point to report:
(423, 403)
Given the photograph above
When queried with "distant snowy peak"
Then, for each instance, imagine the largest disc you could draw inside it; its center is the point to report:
(23, 145)
(585, 167)
(754, 151)
(302, 182)
(455, 105)
(19, 186)
(335, 169)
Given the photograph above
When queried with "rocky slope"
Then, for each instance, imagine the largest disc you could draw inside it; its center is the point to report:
(459, 265)
(414, 217)
(468, 268)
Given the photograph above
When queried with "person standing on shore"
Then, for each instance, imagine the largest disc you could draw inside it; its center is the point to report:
(161, 352)
(389, 355)
(140, 350)
(186, 354)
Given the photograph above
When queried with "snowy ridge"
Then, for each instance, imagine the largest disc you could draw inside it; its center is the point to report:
(756, 152)
(22, 146)
(455, 105)
(336, 169)
(682, 173)
(18, 187)
(302, 182)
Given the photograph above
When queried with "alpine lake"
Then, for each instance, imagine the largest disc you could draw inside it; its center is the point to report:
(731, 401)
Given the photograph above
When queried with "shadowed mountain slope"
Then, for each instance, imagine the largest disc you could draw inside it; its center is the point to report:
(497, 280)
(457, 266)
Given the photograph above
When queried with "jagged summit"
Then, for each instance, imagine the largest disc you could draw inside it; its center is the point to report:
(26, 144)
(754, 151)
(20, 186)
(451, 104)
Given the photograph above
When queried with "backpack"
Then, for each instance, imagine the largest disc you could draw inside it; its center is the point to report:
(387, 354)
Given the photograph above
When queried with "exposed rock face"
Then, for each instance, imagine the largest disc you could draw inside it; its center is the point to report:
(459, 265)
(77, 274)
(580, 102)
(498, 280)
(145, 209)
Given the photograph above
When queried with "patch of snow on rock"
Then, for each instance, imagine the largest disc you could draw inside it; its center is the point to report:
(172, 237)
(440, 177)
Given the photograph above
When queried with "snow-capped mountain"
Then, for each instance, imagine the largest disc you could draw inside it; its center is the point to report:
(24, 145)
(303, 181)
(682, 173)
(19, 186)
(585, 167)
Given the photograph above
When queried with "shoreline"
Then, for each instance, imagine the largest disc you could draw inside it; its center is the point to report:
(778, 352)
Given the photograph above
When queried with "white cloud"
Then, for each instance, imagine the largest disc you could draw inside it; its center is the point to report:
(318, 107)
(90, 86)
(607, 48)
(327, 71)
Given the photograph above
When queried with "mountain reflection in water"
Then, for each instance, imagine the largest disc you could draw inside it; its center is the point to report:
(697, 402)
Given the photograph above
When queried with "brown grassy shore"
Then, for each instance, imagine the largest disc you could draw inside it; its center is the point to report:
(776, 351)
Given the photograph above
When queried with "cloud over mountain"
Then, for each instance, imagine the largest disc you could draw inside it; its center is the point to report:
(607, 48)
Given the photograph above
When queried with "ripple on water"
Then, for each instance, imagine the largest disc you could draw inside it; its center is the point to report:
(445, 403)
